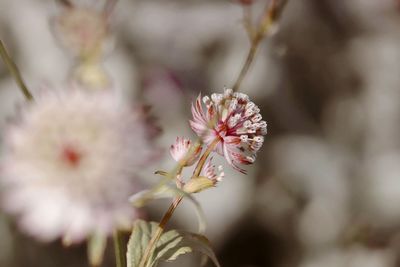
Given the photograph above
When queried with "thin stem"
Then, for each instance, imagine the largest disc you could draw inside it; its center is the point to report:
(14, 71)
(159, 231)
(249, 60)
(168, 214)
(247, 21)
(204, 157)
(270, 15)
(66, 3)
(120, 259)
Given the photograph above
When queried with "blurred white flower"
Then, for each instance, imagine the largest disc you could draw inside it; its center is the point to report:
(82, 30)
(184, 152)
(70, 164)
(235, 120)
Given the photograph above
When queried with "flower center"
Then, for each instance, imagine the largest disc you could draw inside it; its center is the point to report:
(71, 156)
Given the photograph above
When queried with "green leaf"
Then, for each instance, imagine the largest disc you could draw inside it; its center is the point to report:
(170, 246)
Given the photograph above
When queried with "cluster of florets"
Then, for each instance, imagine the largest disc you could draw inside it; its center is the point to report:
(70, 164)
(233, 119)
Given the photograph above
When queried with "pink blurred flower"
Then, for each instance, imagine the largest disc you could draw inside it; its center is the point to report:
(70, 164)
(184, 152)
(235, 121)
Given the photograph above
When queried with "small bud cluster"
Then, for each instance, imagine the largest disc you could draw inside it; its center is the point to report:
(209, 172)
(184, 152)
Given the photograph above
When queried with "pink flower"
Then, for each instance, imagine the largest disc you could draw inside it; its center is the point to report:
(209, 172)
(235, 121)
(70, 164)
(184, 152)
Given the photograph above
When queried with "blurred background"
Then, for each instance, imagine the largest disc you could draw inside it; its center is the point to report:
(325, 189)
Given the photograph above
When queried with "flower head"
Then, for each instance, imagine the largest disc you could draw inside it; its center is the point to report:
(235, 121)
(70, 164)
(184, 152)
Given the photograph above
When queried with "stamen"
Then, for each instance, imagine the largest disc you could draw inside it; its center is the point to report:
(206, 100)
(247, 124)
(256, 118)
(251, 159)
(250, 105)
(249, 112)
(228, 92)
(233, 104)
(262, 124)
(258, 139)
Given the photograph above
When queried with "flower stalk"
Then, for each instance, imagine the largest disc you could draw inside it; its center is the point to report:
(168, 214)
(13, 69)
(269, 17)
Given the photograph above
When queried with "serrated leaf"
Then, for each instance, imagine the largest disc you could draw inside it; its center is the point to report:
(170, 246)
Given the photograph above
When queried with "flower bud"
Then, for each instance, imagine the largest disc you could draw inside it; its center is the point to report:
(198, 184)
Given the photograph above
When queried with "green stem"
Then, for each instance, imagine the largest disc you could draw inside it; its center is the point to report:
(120, 259)
(270, 15)
(204, 157)
(168, 214)
(14, 71)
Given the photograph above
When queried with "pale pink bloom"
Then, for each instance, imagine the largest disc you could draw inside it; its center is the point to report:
(70, 163)
(235, 121)
(184, 151)
(82, 30)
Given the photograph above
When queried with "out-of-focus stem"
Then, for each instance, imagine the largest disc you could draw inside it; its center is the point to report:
(109, 7)
(120, 259)
(168, 214)
(13, 69)
(249, 60)
(269, 17)
(247, 21)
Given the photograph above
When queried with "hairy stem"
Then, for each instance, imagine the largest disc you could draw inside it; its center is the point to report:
(14, 71)
(168, 214)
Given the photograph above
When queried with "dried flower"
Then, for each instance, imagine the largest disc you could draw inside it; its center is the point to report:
(235, 120)
(184, 152)
(70, 164)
